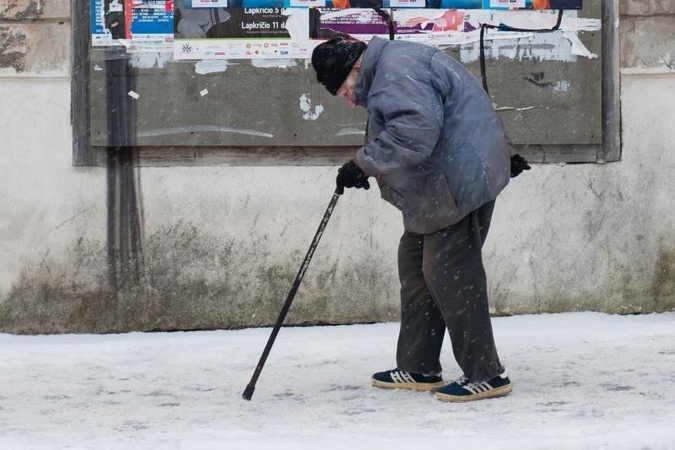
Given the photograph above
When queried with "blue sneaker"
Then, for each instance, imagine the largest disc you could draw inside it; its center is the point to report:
(400, 379)
(462, 390)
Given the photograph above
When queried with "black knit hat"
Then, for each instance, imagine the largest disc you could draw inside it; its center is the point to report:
(334, 59)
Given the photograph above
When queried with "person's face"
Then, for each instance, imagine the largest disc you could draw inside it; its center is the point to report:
(346, 91)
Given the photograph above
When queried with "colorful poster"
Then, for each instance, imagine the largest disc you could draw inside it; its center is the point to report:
(494, 4)
(434, 4)
(434, 26)
(340, 4)
(450, 20)
(439, 4)
(137, 24)
(532, 4)
(241, 30)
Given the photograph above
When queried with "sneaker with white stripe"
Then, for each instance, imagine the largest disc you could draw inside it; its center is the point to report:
(400, 379)
(462, 390)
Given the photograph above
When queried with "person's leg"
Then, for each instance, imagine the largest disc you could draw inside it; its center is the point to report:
(454, 274)
(422, 327)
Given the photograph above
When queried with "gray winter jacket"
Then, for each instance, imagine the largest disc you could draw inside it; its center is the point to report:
(438, 149)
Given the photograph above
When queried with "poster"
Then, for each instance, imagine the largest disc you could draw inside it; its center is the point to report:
(362, 24)
(337, 4)
(241, 29)
(432, 26)
(434, 4)
(137, 24)
(221, 33)
(532, 4)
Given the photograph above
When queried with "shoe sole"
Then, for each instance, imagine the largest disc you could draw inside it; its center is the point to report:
(492, 393)
(411, 386)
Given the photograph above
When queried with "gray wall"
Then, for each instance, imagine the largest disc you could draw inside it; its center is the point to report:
(221, 244)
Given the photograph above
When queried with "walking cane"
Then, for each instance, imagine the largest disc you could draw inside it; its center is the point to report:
(248, 392)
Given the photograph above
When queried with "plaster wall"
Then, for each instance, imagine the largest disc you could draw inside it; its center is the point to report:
(222, 245)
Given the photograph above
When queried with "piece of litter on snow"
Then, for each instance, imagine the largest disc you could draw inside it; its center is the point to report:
(133, 95)
(203, 92)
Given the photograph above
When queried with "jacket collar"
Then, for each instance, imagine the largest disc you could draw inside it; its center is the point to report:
(367, 71)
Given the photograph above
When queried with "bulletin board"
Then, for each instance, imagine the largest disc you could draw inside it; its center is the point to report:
(239, 76)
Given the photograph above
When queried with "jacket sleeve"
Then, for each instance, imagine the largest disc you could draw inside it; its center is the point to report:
(410, 114)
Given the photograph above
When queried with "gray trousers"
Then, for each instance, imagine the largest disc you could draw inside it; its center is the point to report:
(443, 285)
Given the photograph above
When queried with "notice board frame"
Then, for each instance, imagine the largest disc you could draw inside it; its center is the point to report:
(86, 154)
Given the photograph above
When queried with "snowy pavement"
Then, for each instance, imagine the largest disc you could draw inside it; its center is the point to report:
(581, 381)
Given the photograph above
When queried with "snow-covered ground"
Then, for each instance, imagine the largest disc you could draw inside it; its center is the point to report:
(581, 381)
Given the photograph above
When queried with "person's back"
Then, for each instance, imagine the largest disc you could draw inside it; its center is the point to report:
(431, 116)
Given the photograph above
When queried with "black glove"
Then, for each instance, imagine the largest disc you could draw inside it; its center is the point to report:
(351, 176)
(518, 164)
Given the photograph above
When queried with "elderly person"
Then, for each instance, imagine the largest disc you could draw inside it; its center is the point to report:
(440, 155)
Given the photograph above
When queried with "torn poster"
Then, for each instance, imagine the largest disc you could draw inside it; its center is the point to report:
(137, 24)
(452, 27)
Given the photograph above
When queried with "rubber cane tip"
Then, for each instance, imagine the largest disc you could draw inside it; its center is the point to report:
(248, 393)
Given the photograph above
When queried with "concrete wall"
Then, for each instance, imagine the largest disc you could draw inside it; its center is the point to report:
(221, 245)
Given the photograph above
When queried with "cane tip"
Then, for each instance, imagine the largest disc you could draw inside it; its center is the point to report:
(248, 393)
